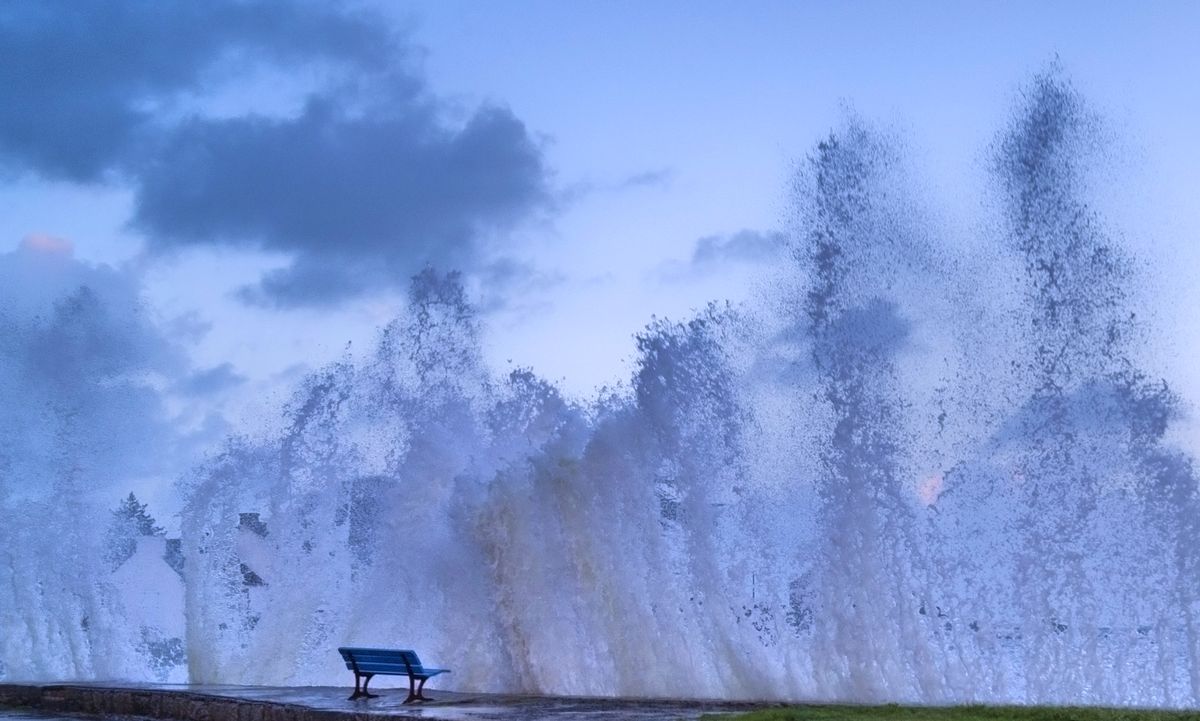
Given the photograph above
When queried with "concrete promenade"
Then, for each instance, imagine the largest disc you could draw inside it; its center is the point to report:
(257, 703)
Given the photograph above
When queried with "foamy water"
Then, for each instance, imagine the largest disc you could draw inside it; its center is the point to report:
(889, 478)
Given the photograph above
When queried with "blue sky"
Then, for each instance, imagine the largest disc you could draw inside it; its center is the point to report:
(587, 164)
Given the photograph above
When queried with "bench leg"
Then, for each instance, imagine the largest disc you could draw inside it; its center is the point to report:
(415, 692)
(366, 677)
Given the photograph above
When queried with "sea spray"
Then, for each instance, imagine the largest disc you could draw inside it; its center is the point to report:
(875, 482)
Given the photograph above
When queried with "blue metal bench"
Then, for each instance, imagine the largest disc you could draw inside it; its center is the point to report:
(367, 662)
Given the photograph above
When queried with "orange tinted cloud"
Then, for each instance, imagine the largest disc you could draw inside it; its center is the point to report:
(48, 244)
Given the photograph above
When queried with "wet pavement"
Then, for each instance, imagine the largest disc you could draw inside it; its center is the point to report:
(313, 703)
(9, 714)
(453, 706)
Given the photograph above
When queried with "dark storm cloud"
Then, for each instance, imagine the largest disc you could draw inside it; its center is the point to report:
(361, 200)
(79, 76)
(373, 179)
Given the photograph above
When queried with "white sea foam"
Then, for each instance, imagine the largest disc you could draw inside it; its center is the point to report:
(889, 479)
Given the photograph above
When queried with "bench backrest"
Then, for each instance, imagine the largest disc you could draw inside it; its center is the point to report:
(381, 660)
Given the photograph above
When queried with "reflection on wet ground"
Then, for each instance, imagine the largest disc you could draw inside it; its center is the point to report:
(24, 714)
(331, 703)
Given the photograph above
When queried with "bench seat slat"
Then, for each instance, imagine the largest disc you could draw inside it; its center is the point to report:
(397, 654)
(370, 667)
(400, 671)
(344, 650)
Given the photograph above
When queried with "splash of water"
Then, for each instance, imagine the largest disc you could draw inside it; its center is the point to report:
(871, 485)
